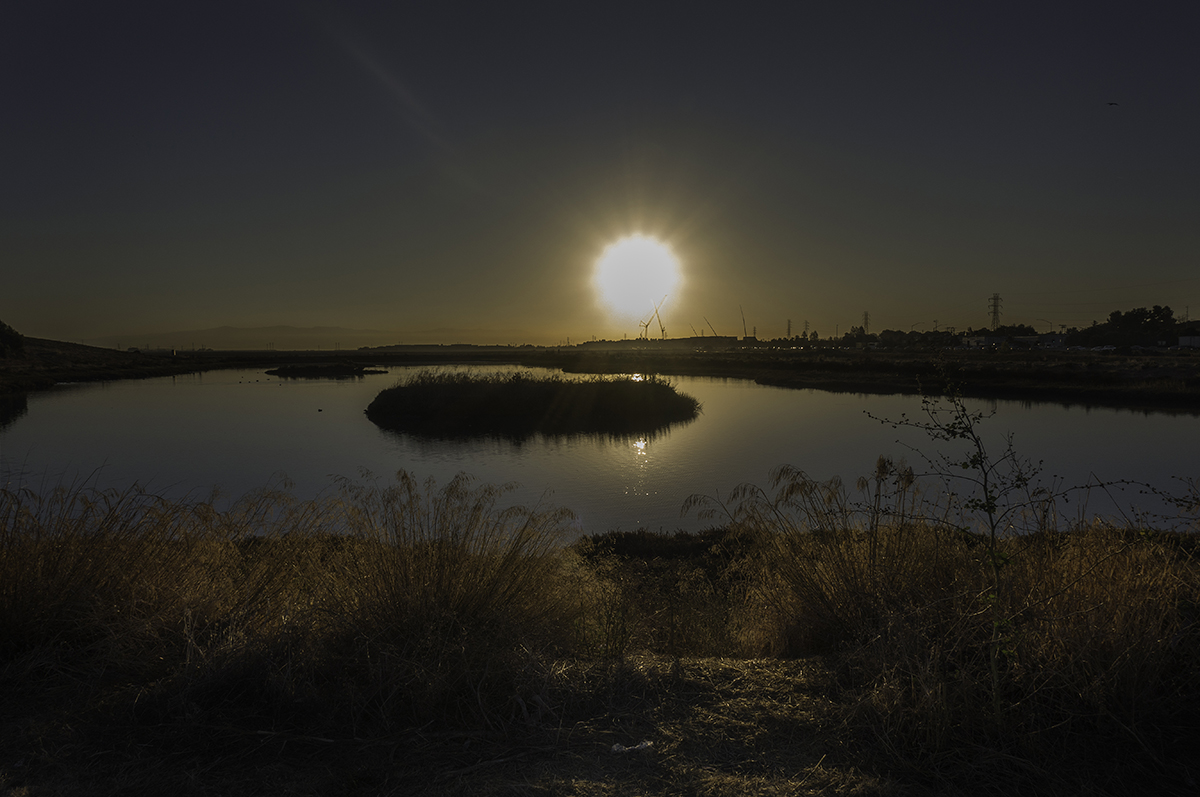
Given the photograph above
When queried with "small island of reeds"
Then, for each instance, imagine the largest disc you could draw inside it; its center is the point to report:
(521, 404)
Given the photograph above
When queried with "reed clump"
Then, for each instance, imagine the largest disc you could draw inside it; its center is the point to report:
(449, 608)
(382, 607)
(1086, 635)
(520, 405)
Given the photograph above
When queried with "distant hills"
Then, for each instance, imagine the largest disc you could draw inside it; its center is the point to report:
(289, 338)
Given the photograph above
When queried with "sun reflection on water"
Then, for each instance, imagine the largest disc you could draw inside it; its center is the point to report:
(640, 473)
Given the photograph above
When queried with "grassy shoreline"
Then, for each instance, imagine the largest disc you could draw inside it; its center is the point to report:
(412, 638)
(1161, 381)
(1150, 382)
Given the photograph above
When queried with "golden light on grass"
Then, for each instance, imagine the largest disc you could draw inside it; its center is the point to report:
(634, 274)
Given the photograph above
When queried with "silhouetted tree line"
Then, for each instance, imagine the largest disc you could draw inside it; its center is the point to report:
(12, 342)
(1138, 327)
(1149, 327)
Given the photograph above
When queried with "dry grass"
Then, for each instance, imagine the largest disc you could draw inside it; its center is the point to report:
(435, 643)
(405, 638)
(680, 595)
(1087, 640)
(428, 607)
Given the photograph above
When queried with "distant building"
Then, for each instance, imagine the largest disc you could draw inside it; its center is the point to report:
(1049, 341)
(1052, 340)
(1191, 341)
(983, 342)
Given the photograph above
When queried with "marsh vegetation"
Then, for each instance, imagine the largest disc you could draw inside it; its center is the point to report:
(520, 404)
(401, 637)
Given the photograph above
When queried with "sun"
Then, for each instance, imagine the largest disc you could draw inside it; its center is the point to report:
(634, 274)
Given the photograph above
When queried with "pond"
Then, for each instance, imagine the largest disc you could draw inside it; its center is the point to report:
(238, 431)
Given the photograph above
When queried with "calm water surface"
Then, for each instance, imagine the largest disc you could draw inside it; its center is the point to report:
(243, 430)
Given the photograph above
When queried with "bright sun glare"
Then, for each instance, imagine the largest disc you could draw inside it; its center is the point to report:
(634, 274)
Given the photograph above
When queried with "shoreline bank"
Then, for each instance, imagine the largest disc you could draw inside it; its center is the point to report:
(1167, 382)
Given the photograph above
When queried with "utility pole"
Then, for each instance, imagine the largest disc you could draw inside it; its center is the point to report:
(866, 323)
(994, 305)
(789, 332)
(806, 327)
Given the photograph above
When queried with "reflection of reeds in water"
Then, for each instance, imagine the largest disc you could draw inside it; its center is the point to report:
(430, 444)
(518, 405)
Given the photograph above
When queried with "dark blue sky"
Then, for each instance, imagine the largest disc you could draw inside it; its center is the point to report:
(460, 166)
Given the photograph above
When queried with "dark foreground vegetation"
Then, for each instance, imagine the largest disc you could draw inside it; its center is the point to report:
(519, 405)
(403, 638)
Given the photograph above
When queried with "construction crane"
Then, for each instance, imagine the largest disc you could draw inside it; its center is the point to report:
(743, 312)
(654, 316)
(659, 317)
(695, 334)
(710, 326)
(645, 325)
